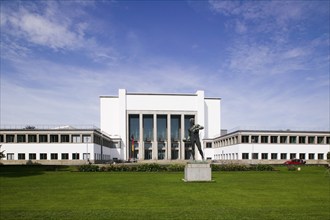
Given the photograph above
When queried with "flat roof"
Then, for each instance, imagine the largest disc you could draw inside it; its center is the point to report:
(275, 131)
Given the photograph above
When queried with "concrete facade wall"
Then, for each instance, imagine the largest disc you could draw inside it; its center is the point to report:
(58, 148)
(114, 112)
(234, 152)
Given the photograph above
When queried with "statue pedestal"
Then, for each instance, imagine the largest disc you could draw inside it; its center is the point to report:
(197, 171)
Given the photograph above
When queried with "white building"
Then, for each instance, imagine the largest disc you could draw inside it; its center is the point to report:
(266, 146)
(60, 145)
(154, 127)
(156, 124)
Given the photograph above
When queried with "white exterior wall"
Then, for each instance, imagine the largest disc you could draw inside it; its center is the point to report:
(208, 153)
(109, 115)
(59, 148)
(114, 112)
(212, 114)
(271, 148)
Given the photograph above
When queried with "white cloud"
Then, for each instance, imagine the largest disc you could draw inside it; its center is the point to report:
(40, 30)
(274, 17)
(52, 26)
(267, 59)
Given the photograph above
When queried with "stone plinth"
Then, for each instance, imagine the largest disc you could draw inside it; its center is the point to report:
(197, 171)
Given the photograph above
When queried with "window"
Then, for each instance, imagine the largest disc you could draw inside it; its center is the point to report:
(54, 156)
(245, 156)
(292, 156)
(148, 127)
(32, 156)
(320, 156)
(43, 156)
(75, 156)
(327, 140)
(174, 150)
(283, 156)
(32, 138)
(54, 138)
(264, 156)
(65, 156)
(21, 138)
(320, 140)
(10, 138)
(175, 127)
(1, 138)
(147, 150)
(283, 139)
(302, 156)
(134, 126)
(161, 150)
(311, 140)
(134, 134)
(43, 138)
(273, 139)
(87, 138)
(255, 156)
(264, 139)
(86, 156)
(302, 140)
(10, 156)
(208, 145)
(21, 156)
(65, 138)
(293, 139)
(245, 139)
(311, 156)
(274, 156)
(255, 139)
(161, 127)
(75, 138)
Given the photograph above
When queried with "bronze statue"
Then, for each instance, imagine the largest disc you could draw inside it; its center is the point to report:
(194, 137)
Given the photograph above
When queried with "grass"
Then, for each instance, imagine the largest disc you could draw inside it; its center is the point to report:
(33, 193)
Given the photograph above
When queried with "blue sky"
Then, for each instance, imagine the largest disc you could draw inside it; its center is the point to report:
(267, 60)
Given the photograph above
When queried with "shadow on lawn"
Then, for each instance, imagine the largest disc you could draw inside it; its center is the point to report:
(27, 170)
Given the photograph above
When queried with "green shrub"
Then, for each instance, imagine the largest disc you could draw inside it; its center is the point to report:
(229, 167)
(150, 167)
(262, 167)
(146, 167)
(241, 167)
(88, 168)
(175, 167)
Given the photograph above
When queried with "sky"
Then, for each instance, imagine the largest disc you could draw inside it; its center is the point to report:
(268, 61)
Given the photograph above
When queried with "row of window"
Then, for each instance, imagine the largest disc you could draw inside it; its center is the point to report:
(44, 156)
(162, 122)
(56, 138)
(272, 139)
(55, 156)
(283, 156)
(45, 138)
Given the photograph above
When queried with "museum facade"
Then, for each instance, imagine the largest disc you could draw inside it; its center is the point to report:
(153, 127)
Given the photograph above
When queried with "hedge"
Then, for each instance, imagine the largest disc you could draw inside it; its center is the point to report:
(154, 167)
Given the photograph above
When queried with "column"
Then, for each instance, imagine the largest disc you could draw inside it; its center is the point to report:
(181, 150)
(154, 143)
(141, 145)
(168, 147)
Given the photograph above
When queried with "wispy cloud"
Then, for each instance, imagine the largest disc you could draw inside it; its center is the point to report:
(267, 65)
(52, 28)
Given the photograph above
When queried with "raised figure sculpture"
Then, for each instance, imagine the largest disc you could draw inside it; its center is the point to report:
(194, 138)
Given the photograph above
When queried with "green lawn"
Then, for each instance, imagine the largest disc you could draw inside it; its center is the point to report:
(38, 194)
